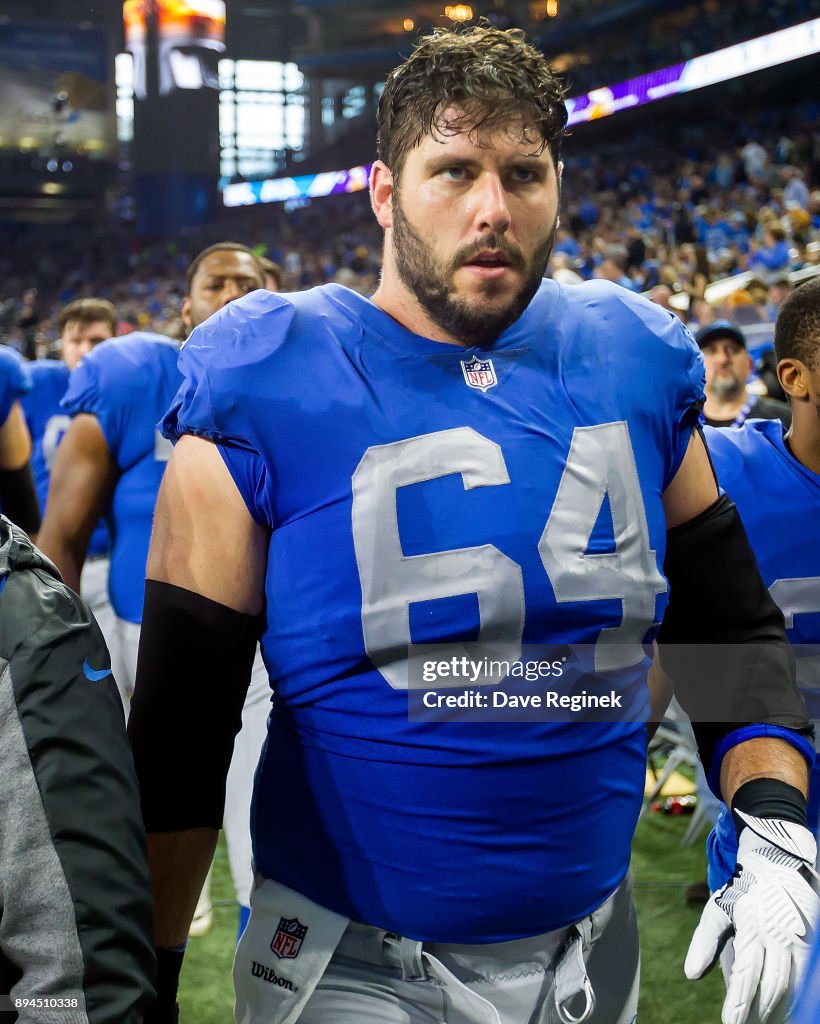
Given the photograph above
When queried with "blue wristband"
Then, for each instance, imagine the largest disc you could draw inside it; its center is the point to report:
(751, 732)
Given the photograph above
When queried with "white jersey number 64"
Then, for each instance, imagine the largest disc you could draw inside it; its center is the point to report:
(600, 463)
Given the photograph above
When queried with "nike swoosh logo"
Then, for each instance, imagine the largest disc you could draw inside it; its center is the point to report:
(95, 674)
(805, 939)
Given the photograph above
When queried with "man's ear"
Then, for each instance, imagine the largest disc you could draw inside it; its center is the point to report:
(794, 378)
(381, 193)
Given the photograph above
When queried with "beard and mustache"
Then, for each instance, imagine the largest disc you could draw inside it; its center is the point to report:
(429, 279)
(728, 386)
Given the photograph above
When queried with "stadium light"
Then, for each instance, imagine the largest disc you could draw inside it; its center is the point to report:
(458, 12)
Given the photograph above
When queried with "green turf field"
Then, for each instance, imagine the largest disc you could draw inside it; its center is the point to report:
(662, 871)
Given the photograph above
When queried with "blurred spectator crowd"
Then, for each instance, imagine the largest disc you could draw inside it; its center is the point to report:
(670, 210)
(664, 210)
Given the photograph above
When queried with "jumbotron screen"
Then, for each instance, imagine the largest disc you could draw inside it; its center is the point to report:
(190, 34)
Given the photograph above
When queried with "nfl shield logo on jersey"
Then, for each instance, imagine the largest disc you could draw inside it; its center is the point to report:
(479, 373)
(287, 939)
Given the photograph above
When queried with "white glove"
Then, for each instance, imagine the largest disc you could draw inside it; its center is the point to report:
(771, 907)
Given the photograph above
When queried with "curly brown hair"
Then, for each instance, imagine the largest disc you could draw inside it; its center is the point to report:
(495, 78)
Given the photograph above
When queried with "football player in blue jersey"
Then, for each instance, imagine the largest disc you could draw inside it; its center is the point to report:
(18, 497)
(112, 457)
(111, 461)
(474, 454)
(774, 479)
(83, 324)
(215, 278)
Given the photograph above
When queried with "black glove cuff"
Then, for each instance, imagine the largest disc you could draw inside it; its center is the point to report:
(769, 798)
(165, 1009)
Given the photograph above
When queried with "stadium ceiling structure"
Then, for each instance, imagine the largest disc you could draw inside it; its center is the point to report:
(362, 39)
(365, 38)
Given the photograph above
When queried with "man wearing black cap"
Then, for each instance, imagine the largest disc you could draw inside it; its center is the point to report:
(728, 365)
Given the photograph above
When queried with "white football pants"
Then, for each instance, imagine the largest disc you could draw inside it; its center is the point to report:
(588, 972)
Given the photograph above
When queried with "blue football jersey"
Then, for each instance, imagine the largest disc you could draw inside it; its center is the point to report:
(779, 502)
(47, 424)
(421, 492)
(15, 380)
(127, 383)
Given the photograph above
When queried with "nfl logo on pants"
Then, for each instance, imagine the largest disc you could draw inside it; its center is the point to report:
(288, 937)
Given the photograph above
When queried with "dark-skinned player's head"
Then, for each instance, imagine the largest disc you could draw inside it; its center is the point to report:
(797, 347)
(216, 276)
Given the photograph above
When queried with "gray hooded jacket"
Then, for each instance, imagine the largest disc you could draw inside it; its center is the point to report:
(75, 906)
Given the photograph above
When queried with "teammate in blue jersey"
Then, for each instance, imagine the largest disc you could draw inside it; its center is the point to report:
(18, 497)
(83, 324)
(111, 461)
(774, 479)
(45, 419)
(47, 422)
(112, 458)
(472, 455)
(218, 275)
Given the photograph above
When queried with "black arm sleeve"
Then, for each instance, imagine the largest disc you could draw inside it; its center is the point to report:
(193, 670)
(723, 640)
(18, 498)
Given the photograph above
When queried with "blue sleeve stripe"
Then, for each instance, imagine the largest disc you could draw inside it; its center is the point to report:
(751, 732)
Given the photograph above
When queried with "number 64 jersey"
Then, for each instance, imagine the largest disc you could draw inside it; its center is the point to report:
(419, 492)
